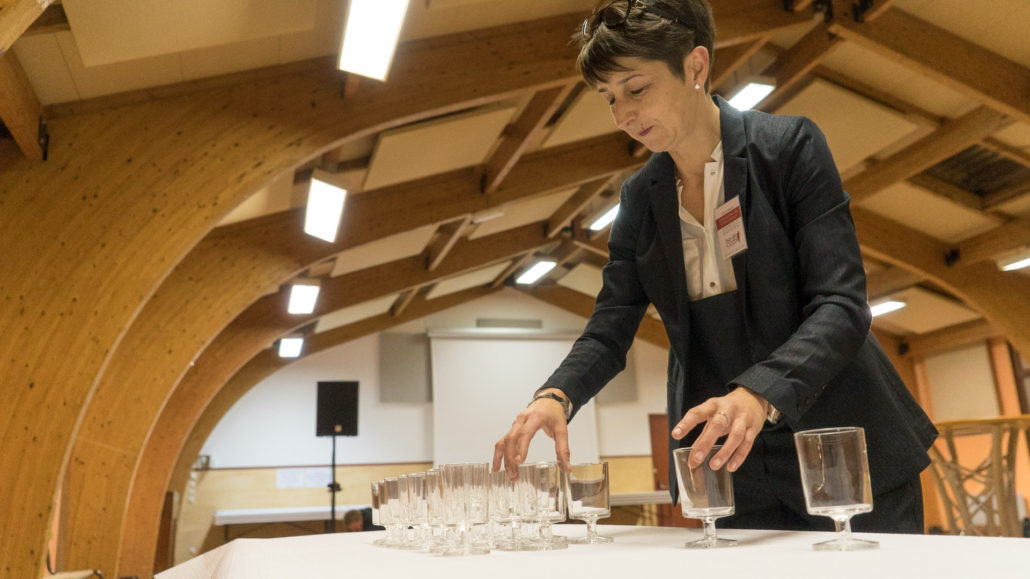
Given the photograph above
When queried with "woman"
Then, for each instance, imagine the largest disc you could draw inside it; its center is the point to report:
(738, 231)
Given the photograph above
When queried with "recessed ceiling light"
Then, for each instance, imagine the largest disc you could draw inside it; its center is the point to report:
(886, 306)
(303, 296)
(536, 272)
(325, 207)
(603, 221)
(750, 95)
(370, 37)
(291, 347)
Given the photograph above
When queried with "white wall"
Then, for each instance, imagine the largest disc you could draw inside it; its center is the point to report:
(274, 423)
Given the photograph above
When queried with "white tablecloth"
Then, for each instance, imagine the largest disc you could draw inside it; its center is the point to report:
(636, 552)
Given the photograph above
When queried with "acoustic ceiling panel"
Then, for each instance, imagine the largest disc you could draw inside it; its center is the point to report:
(94, 81)
(355, 313)
(588, 116)
(275, 197)
(925, 312)
(109, 31)
(584, 278)
(480, 277)
(522, 213)
(900, 81)
(383, 250)
(41, 57)
(1002, 29)
(932, 214)
(436, 146)
(855, 127)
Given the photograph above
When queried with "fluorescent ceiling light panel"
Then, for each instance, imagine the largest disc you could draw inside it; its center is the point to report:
(1017, 263)
(603, 221)
(370, 37)
(886, 307)
(325, 207)
(536, 272)
(290, 347)
(750, 95)
(302, 298)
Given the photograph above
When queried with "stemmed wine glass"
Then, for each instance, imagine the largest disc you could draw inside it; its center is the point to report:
(587, 498)
(835, 478)
(706, 494)
(504, 512)
(550, 494)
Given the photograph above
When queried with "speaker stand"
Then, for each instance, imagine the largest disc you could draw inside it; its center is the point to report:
(334, 487)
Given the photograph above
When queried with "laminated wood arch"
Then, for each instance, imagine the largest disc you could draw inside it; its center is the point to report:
(231, 268)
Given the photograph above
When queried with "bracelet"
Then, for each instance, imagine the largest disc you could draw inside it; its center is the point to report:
(566, 404)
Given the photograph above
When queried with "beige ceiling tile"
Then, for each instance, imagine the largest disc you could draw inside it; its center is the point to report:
(96, 81)
(439, 17)
(588, 116)
(40, 55)
(961, 18)
(583, 278)
(855, 127)
(924, 312)
(522, 213)
(355, 313)
(110, 31)
(275, 197)
(1017, 135)
(480, 277)
(436, 146)
(383, 250)
(229, 58)
(1019, 206)
(924, 211)
(321, 40)
(902, 82)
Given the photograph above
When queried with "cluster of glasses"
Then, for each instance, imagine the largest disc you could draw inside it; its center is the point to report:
(464, 509)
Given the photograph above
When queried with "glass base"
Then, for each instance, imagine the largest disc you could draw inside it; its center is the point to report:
(710, 543)
(851, 544)
(588, 540)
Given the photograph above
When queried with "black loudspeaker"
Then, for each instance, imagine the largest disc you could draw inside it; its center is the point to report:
(337, 409)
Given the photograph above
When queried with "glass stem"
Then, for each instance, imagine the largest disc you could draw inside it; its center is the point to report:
(592, 529)
(709, 529)
(843, 530)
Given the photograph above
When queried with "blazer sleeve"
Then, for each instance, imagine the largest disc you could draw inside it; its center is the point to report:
(600, 352)
(834, 314)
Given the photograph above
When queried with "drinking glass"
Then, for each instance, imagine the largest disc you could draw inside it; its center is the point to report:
(456, 509)
(504, 512)
(477, 497)
(528, 509)
(550, 494)
(435, 512)
(587, 498)
(418, 516)
(390, 512)
(835, 478)
(705, 493)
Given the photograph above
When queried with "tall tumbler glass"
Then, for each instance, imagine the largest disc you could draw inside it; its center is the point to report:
(435, 511)
(705, 493)
(504, 512)
(835, 478)
(550, 489)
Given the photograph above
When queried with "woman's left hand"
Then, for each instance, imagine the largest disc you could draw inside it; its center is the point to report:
(738, 415)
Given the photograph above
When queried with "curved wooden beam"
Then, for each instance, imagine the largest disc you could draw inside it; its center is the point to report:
(89, 235)
(254, 330)
(230, 269)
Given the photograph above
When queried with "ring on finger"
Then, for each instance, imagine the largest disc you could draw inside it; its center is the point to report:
(726, 416)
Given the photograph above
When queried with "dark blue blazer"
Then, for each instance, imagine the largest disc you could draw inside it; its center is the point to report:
(801, 294)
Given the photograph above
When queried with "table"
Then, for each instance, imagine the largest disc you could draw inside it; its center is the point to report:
(289, 515)
(637, 551)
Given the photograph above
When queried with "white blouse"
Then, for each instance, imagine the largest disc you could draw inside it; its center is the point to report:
(708, 273)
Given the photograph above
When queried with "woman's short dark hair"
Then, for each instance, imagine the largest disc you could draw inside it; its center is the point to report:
(660, 30)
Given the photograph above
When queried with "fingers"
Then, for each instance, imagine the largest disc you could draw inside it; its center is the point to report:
(512, 448)
(737, 418)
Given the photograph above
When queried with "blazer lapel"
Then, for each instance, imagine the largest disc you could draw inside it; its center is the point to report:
(665, 204)
(735, 182)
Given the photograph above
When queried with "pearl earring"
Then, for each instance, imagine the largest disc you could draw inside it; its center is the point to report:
(697, 86)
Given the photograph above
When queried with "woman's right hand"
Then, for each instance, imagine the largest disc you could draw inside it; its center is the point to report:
(543, 414)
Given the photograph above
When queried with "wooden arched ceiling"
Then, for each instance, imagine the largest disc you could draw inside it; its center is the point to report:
(127, 313)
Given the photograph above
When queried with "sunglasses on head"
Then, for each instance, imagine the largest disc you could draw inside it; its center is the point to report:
(614, 15)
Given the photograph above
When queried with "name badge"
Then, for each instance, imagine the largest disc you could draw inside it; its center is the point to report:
(730, 227)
